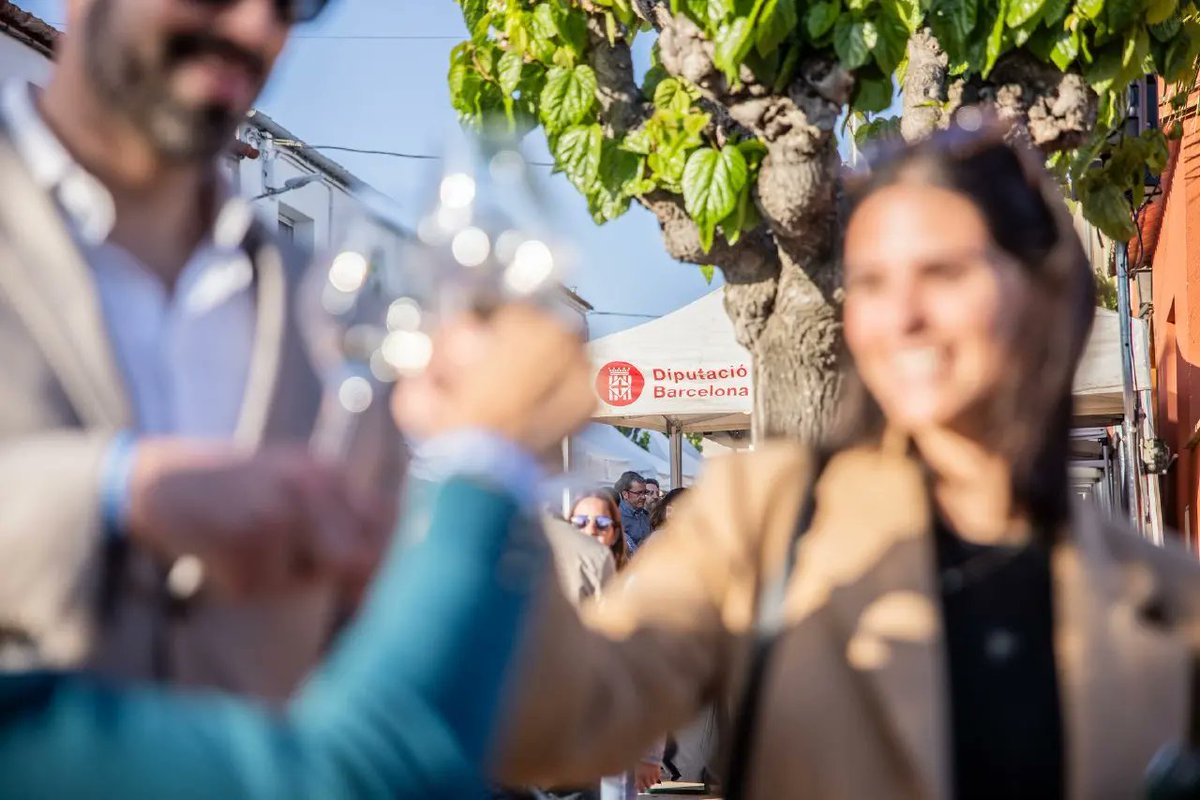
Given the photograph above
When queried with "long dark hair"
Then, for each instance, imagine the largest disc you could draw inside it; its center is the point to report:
(1029, 221)
(658, 517)
(619, 547)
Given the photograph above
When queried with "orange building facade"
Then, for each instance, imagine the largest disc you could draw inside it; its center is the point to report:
(1170, 237)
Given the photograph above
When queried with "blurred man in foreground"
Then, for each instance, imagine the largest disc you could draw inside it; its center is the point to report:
(157, 399)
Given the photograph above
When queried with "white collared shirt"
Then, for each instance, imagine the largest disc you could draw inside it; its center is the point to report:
(185, 354)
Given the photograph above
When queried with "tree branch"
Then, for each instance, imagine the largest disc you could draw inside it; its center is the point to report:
(621, 106)
(796, 184)
(1048, 109)
(751, 267)
(924, 86)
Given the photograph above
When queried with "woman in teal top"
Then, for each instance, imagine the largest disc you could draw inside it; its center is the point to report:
(405, 707)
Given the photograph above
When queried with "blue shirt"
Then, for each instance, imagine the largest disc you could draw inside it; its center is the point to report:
(636, 522)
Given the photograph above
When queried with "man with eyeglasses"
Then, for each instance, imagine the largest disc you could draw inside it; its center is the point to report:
(635, 519)
(160, 514)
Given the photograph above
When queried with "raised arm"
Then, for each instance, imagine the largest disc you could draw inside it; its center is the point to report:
(598, 687)
(407, 705)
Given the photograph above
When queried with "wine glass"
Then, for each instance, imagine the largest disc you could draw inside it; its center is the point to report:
(363, 314)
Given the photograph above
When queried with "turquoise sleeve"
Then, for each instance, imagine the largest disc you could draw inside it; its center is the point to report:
(405, 708)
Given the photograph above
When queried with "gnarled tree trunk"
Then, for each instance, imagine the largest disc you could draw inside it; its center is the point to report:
(783, 280)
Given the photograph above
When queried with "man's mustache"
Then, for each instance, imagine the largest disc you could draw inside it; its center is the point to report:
(185, 46)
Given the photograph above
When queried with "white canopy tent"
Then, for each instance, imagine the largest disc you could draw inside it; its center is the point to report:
(600, 453)
(686, 372)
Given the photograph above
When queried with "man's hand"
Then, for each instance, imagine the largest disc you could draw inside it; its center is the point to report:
(520, 373)
(646, 775)
(259, 522)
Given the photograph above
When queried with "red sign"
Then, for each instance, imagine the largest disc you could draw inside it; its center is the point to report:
(619, 383)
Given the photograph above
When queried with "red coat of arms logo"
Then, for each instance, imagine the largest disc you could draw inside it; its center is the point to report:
(619, 383)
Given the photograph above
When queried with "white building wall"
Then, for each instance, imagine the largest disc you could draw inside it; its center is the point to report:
(320, 213)
(19, 60)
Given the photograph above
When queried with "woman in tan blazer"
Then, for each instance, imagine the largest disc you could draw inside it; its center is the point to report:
(952, 625)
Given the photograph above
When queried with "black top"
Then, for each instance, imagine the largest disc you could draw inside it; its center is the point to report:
(997, 607)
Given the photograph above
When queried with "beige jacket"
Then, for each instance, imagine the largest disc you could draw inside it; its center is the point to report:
(855, 703)
(61, 400)
(583, 564)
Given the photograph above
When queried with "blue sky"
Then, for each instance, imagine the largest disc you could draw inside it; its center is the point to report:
(391, 94)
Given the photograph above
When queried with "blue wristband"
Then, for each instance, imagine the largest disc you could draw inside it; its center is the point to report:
(115, 471)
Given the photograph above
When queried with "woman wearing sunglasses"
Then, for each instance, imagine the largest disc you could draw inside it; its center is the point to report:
(919, 609)
(596, 515)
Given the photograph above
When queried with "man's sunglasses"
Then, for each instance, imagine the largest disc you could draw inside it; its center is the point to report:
(581, 521)
(290, 11)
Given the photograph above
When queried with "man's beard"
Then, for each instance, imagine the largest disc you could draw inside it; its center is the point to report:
(137, 85)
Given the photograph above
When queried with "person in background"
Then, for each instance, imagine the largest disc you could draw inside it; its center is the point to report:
(405, 707)
(665, 508)
(595, 515)
(654, 493)
(919, 609)
(631, 487)
(584, 565)
(157, 399)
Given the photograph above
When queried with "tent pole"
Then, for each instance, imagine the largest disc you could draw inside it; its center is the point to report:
(675, 431)
(566, 465)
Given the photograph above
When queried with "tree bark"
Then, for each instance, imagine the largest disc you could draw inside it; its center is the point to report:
(924, 86)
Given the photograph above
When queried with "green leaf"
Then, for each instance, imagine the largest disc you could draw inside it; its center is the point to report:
(718, 10)
(672, 95)
(1156, 149)
(1160, 10)
(619, 172)
(872, 94)
(1176, 60)
(668, 166)
(892, 43)
(1092, 9)
(509, 72)
(577, 153)
(1020, 35)
(542, 23)
(654, 76)
(754, 151)
(568, 97)
(820, 17)
(473, 12)
(1021, 11)
(734, 40)
(1137, 47)
(957, 17)
(639, 141)
(1054, 10)
(1066, 49)
(712, 181)
(708, 271)
(1121, 14)
(776, 22)
(1165, 31)
(850, 42)
(995, 40)
(571, 25)
(1105, 66)
(1105, 206)
(858, 5)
